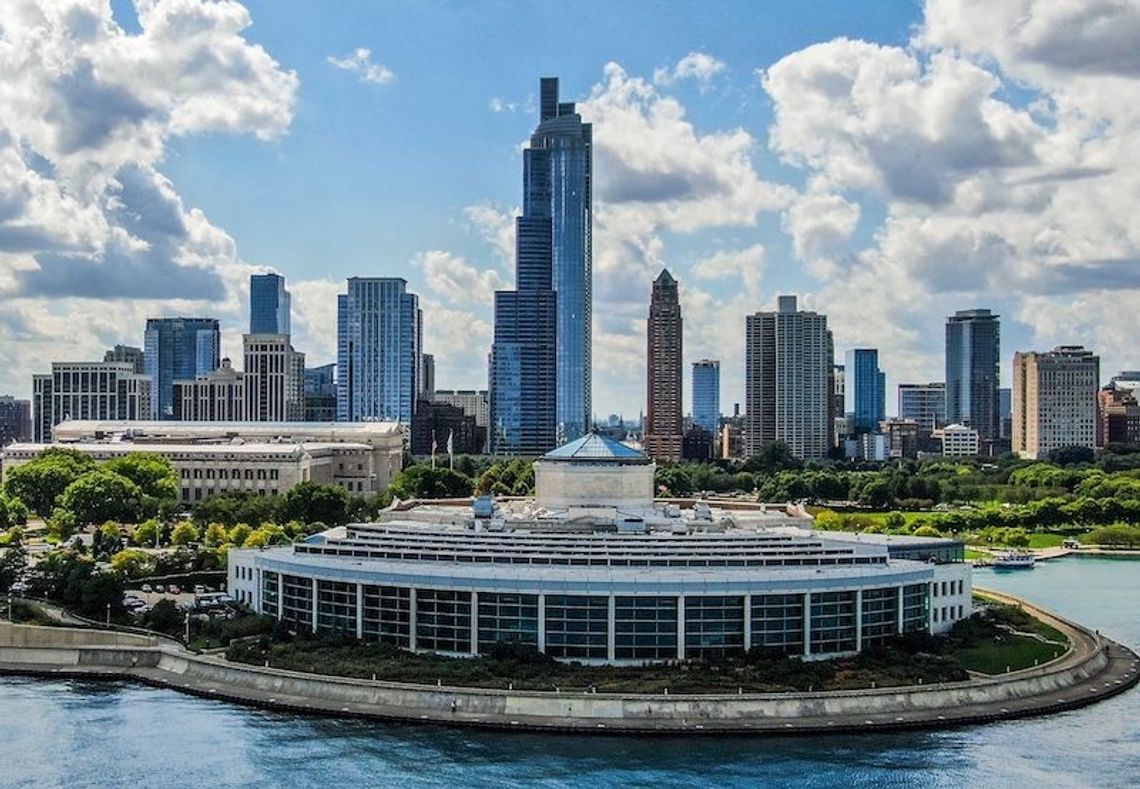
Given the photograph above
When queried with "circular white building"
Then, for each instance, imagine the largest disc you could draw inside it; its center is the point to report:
(593, 570)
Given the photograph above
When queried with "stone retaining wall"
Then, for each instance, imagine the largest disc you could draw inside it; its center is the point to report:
(1031, 691)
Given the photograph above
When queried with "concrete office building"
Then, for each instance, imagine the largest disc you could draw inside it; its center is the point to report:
(223, 395)
(129, 354)
(280, 374)
(788, 381)
(594, 570)
(15, 420)
(379, 348)
(541, 356)
(214, 457)
(706, 395)
(923, 403)
(88, 390)
(270, 305)
(664, 421)
(958, 441)
(1054, 400)
(973, 351)
(1119, 414)
(177, 349)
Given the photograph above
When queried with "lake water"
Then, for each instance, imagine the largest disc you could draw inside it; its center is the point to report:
(72, 734)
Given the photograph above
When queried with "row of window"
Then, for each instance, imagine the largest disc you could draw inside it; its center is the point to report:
(577, 626)
(596, 560)
(223, 473)
(198, 494)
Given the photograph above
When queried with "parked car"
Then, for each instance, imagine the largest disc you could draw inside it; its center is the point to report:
(133, 603)
(147, 588)
(173, 589)
(199, 589)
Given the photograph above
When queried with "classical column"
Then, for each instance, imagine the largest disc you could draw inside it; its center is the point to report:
(315, 612)
(747, 621)
(611, 628)
(542, 623)
(412, 619)
(899, 607)
(360, 611)
(807, 624)
(474, 623)
(680, 627)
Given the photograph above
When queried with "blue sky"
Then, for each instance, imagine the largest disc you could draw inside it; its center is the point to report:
(888, 161)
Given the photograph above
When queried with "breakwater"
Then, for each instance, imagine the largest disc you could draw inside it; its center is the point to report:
(1093, 668)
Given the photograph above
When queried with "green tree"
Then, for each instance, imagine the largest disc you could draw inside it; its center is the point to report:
(310, 501)
(13, 563)
(61, 525)
(111, 531)
(102, 495)
(153, 473)
(148, 533)
(184, 534)
(132, 563)
(239, 534)
(215, 535)
(42, 480)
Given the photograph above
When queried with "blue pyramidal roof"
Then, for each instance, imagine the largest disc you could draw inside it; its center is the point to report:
(594, 446)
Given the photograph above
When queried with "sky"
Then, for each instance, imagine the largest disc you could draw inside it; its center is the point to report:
(888, 162)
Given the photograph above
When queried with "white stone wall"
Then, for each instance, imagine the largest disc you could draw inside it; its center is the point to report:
(951, 595)
(559, 485)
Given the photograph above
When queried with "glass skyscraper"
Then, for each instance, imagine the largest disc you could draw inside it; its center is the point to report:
(542, 328)
(706, 395)
(269, 305)
(973, 348)
(177, 349)
(379, 345)
(865, 391)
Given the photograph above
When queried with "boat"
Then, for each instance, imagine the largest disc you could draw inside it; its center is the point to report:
(1014, 560)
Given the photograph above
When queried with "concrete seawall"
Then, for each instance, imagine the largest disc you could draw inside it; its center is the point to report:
(1091, 670)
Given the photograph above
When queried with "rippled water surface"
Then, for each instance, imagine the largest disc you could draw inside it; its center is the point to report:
(70, 733)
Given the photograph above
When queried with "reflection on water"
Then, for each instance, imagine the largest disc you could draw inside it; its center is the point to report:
(75, 733)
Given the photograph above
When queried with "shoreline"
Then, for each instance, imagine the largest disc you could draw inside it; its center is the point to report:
(1092, 669)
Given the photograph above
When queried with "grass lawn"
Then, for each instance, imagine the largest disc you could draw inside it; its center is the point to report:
(971, 555)
(1045, 540)
(1007, 650)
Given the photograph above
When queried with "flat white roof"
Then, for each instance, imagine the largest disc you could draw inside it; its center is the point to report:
(126, 447)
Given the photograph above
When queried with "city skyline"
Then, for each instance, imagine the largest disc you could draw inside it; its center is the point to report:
(710, 158)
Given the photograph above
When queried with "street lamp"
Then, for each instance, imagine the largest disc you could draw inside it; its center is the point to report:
(108, 614)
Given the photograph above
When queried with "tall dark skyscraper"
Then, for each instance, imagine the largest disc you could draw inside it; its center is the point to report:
(542, 328)
(269, 305)
(379, 347)
(865, 391)
(664, 425)
(973, 352)
(177, 349)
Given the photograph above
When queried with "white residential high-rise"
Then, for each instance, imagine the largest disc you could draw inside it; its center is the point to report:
(1054, 400)
(788, 380)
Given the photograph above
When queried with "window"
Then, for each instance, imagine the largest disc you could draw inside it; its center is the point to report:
(297, 602)
(778, 622)
(336, 607)
(576, 626)
(714, 626)
(880, 614)
(443, 620)
(507, 618)
(645, 628)
(387, 614)
(832, 622)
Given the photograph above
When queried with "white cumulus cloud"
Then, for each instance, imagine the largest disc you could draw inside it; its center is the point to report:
(359, 61)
